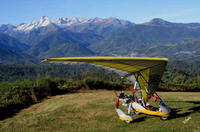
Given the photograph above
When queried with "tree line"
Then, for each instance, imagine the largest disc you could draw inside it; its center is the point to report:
(177, 74)
(181, 75)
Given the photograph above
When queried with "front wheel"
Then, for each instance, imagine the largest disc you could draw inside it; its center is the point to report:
(137, 113)
(127, 122)
(163, 118)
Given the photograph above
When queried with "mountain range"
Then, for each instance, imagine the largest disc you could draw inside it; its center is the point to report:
(96, 36)
(137, 39)
(34, 32)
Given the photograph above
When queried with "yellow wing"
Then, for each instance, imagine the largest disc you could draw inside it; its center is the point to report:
(147, 70)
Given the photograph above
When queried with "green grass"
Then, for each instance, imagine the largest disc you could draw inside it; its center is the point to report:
(95, 112)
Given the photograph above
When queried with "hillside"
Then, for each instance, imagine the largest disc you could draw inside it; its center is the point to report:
(62, 44)
(187, 51)
(95, 112)
(62, 50)
(14, 57)
(7, 42)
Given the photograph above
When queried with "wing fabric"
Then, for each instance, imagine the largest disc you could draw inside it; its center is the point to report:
(147, 70)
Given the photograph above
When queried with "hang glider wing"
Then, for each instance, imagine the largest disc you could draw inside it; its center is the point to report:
(147, 70)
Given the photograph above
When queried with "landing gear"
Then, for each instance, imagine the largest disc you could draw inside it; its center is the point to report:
(136, 104)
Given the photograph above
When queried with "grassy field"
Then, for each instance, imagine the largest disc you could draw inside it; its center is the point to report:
(95, 111)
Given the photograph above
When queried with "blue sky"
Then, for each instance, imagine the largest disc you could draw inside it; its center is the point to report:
(137, 11)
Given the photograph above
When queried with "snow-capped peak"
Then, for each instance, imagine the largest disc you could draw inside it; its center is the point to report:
(70, 21)
(66, 22)
(44, 21)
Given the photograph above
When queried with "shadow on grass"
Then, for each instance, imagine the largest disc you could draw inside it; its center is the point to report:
(175, 113)
(13, 109)
(139, 119)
